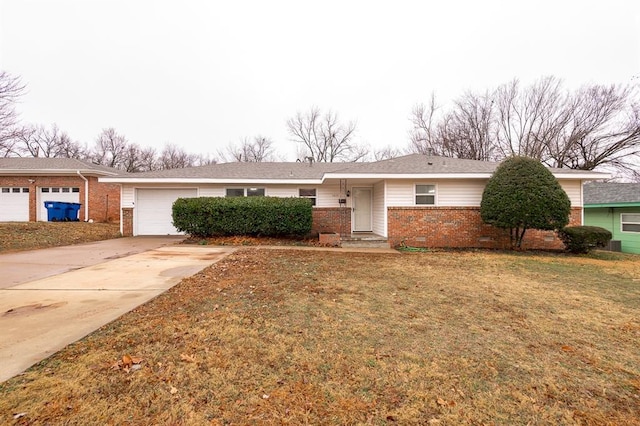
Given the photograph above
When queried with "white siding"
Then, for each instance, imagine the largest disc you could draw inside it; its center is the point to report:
(127, 196)
(449, 192)
(379, 210)
(573, 188)
(460, 192)
(211, 191)
(328, 195)
(284, 190)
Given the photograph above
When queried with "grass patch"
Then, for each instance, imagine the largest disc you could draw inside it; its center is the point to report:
(18, 236)
(299, 337)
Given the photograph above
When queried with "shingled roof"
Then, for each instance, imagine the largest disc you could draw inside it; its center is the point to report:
(415, 165)
(611, 193)
(22, 165)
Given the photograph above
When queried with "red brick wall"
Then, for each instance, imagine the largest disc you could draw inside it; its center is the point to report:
(127, 222)
(460, 227)
(332, 219)
(99, 211)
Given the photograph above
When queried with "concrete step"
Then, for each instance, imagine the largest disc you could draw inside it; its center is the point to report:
(365, 243)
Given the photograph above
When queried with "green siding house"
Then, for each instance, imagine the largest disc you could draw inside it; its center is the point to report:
(616, 207)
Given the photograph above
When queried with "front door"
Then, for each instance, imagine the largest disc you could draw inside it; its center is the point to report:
(361, 209)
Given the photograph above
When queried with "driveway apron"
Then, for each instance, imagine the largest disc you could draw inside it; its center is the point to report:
(40, 317)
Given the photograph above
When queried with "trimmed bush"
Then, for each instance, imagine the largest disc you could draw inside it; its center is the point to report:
(523, 194)
(254, 216)
(581, 239)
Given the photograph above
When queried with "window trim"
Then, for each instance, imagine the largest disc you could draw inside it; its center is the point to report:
(245, 191)
(622, 223)
(416, 193)
(313, 198)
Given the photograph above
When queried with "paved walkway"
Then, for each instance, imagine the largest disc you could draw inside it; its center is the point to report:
(53, 297)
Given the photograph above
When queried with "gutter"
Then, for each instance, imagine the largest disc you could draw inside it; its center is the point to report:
(86, 196)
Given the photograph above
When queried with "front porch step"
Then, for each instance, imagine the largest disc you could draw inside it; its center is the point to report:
(364, 241)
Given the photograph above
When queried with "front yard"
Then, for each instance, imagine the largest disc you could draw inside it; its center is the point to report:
(18, 236)
(313, 337)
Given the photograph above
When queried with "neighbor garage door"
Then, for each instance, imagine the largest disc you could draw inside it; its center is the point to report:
(14, 204)
(153, 210)
(55, 193)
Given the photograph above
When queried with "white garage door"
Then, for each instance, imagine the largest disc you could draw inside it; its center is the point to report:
(56, 193)
(153, 210)
(14, 204)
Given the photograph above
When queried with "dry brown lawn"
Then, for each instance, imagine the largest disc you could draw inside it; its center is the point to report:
(17, 236)
(320, 337)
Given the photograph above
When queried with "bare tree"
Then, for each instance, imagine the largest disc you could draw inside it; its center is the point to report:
(68, 148)
(424, 133)
(386, 153)
(256, 150)
(593, 127)
(11, 89)
(204, 159)
(110, 149)
(40, 141)
(324, 138)
(174, 157)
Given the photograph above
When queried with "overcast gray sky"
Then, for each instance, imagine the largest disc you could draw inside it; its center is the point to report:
(201, 74)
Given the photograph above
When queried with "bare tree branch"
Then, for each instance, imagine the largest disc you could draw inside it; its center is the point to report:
(324, 138)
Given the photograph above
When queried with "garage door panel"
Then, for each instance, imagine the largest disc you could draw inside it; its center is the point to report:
(59, 194)
(153, 210)
(14, 203)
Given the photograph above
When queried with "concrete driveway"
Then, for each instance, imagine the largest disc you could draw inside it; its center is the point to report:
(50, 298)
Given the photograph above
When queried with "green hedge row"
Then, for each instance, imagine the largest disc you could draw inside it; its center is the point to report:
(581, 239)
(256, 216)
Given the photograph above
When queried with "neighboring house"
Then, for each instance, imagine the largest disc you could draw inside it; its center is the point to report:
(616, 207)
(416, 200)
(26, 183)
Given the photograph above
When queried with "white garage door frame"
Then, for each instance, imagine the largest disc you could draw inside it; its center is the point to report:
(63, 194)
(14, 202)
(152, 211)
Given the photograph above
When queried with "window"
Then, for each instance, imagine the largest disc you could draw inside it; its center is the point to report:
(75, 189)
(426, 194)
(309, 193)
(255, 192)
(235, 192)
(25, 190)
(44, 189)
(5, 190)
(245, 192)
(630, 222)
(15, 190)
(66, 189)
(55, 189)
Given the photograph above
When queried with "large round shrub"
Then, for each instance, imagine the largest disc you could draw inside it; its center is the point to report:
(523, 194)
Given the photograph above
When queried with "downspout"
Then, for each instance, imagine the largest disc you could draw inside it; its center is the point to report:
(86, 196)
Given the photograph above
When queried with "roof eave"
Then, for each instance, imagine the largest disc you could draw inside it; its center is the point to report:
(235, 181)
(406, 175)
(53, 172)
(609, 205)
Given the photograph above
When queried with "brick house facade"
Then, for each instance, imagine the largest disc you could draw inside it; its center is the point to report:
(417, 200)
(99, 201)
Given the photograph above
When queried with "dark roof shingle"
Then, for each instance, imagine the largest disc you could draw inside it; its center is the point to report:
(611, 193)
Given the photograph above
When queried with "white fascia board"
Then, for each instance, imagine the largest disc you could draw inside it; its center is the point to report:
(576, 175)
(407, 176)
(53, 172)
(584, 176)
(236, 181)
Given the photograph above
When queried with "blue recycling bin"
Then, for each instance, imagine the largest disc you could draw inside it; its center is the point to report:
(71, 211)
(56, 211)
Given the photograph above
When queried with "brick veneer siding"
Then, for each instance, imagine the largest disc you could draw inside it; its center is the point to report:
(332, 219)
(127, 222)
(460, 227)
(104, 198)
